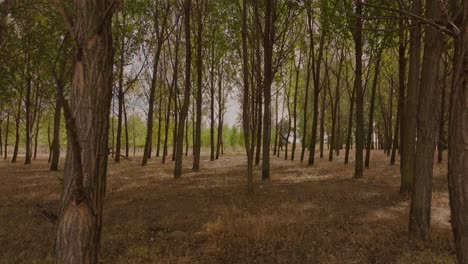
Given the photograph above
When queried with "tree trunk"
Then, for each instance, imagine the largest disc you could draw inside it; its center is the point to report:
(458, 142)
(36, 134)
(245, 100)
(316, 68)
(268, 79)
(370, 130)
(160, 111)
(17, 128)
(306, 98)
(411, 104)
(184, 110)
(401, 94)
(358, 169)
(420, 213)
(220, 115)
(322, 118)
(120, 90)
(84, 184)
(441, 139)
(295, 107)
(199, 99)
(160, 30)
(7, 131)
(350, 124)
(212, 116)
(56, 141)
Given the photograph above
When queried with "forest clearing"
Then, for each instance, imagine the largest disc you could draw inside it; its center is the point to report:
(303, 215)
(233, 131)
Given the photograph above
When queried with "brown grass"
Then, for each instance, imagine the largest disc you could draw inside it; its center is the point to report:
(304, 215)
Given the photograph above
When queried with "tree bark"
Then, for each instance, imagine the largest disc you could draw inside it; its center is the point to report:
(199, 99)
(80, 215)
(268, 79)
(370, 130)
(7, 131)
(185, 106)
(411, 104)
(358, 169)
(245, 101)
(458, 142)
(160, 41)
(17, 128)
(295, 107)
(420, 213)
(316, 76)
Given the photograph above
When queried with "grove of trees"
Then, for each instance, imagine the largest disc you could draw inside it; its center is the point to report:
(313, 79)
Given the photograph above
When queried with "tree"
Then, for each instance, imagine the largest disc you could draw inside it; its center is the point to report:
(358, 170)
(80, 215)
(408, 145)
(198, 98)
(458, 136)
(420, 213)
(185, 106)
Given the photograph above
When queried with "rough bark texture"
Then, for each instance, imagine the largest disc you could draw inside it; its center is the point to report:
(84, 184)
(420, 213)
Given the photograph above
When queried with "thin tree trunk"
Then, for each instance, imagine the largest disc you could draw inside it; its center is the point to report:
(441, 139)
(149, 126)
(358, 170)
(7, 131)
(306, 102)
(316, 68)
(220, 115)
(411, 104)
(245, 101)
(212, 116)
(420, 213)
(350, 124)
(184, 110)
(295, 107)
(120, 89)
(199, 99)
(370, 130)
(322, 118)
(268, 79)
(17, 128)
(36, 134)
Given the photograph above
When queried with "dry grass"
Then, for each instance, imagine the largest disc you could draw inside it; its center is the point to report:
(304, 215)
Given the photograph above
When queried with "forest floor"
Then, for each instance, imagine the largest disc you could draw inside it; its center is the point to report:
(304, 214)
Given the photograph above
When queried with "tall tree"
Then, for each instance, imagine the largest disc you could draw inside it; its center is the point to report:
(458, 137)
(420, 213)
(160, 28)
(358, 170)
(198, 98)
(87, 118)
(408, 147)
(185, 106)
